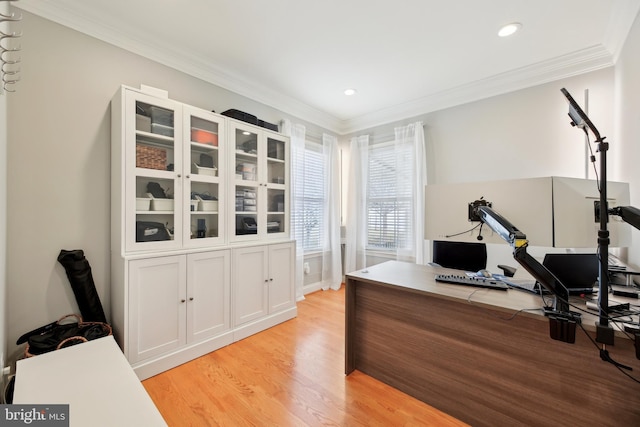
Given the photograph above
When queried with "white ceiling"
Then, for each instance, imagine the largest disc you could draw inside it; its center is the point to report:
(405, 57)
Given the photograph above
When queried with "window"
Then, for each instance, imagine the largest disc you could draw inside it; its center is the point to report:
(389, 198)
(309, 197)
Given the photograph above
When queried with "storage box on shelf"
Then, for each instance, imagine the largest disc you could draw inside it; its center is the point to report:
(204, 136)
(151, 157)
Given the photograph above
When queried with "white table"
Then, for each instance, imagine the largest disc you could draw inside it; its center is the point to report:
(94, 378)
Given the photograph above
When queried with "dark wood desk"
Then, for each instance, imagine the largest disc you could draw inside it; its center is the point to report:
(462, 350)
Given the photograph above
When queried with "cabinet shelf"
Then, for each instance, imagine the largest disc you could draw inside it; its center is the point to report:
(154, 139)
(205, 179)
(205, 148)
(244, 154)
(204, 212)
(154, 212)
(154, 173)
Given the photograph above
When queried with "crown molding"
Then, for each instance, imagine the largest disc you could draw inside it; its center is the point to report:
(575, 63)
(584, 61)
(619, 25)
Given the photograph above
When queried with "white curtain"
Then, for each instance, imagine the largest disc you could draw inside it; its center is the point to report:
(356, 233)
(331, 259)
(411, 168)
(297, 135)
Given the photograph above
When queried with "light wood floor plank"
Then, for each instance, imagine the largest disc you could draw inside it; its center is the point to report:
(289, 375)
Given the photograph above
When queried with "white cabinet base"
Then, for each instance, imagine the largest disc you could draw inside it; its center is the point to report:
(267, 322)
(148, 368)
(184, 282)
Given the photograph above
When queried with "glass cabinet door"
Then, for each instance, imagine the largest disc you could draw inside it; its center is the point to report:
(245, 181)
(204, 166)
(276, 184)
(260, 183)
(154, 161)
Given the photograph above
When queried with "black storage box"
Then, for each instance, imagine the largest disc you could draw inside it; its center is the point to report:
(241, 115)
(267, 125)
(246, 225)
(147, 231)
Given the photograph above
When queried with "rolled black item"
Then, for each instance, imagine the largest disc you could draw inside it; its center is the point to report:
(82, 284)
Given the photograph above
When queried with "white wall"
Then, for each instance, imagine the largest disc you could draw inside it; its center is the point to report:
(627, 113)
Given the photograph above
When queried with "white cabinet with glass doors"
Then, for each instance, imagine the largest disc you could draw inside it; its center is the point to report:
(174, 222)
(167, 162)
(260, 183)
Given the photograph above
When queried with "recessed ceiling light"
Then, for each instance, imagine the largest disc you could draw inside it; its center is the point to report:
(509, 29)
(350, 92)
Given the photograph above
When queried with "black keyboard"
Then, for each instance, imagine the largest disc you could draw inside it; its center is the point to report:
(479, 282)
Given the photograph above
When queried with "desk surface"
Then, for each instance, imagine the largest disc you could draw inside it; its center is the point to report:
(420, 279)
(94, 378)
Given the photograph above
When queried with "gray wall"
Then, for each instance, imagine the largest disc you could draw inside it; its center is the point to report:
(59, 166)
(3, 226)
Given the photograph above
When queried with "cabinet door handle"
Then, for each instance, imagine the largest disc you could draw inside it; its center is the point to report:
(188, 176)
(271, 280)
(183, 300)
(191, 299)
(179, 175)
(266, 280)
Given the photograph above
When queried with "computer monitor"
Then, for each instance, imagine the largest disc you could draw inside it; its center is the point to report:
(578, 272)
(460, 255)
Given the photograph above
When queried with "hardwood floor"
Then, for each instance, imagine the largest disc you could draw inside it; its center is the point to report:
(289, 375)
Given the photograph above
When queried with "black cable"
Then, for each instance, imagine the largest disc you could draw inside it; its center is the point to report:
(464, 232)
(604, 355)
(593, 162)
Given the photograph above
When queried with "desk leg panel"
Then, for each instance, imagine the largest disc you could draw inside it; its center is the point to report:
(474, 364)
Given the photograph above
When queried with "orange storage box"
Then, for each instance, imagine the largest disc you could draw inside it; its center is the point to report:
(204, 136)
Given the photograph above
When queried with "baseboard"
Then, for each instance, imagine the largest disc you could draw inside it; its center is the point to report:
(314, 287)
(148, 368)
(251, 328)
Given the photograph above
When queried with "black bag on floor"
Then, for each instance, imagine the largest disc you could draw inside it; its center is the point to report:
(61, 334)
(82, 284)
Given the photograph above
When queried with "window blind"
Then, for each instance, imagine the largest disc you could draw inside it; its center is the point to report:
(309, 198)
(389, 198)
